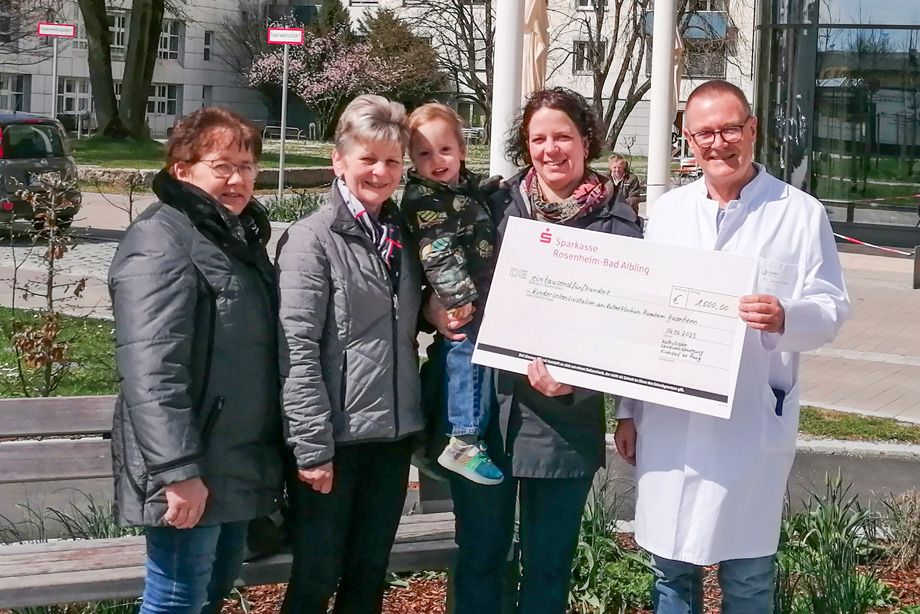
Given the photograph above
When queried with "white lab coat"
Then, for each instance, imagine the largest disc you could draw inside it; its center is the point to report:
(711, 489)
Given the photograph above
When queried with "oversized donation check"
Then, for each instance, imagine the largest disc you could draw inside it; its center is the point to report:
(638, 319)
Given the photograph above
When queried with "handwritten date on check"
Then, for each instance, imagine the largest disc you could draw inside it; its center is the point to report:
(626, 316)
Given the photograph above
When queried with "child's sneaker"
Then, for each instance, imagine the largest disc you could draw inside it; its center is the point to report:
(471, 461)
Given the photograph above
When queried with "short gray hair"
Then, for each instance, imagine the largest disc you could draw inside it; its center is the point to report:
(372, 118)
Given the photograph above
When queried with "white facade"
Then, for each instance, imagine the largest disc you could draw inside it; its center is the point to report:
(188, 73)
(184, 79)
(569, 23)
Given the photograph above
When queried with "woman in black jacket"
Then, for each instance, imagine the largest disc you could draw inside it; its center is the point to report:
(196, 442)
(547, 437)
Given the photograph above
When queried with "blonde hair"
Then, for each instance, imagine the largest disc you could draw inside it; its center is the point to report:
(433, 111)
(371, 118)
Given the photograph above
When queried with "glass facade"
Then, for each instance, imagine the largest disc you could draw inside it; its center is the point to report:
(839, 99)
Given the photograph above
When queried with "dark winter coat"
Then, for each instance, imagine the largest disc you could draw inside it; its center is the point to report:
(195, 307)
(554, 437)
(455, 234)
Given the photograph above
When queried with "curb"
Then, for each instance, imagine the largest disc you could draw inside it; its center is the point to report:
(845, 448)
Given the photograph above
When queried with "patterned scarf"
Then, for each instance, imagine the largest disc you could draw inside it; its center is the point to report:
(589, 196)
(382, 232)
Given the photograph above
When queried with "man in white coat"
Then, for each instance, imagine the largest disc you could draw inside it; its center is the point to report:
(711, 490)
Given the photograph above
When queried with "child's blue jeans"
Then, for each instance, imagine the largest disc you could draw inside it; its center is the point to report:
(469, 386)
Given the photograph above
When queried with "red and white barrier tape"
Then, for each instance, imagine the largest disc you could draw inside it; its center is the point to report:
(879, 247)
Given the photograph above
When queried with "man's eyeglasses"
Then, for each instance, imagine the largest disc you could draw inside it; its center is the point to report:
(729, 134)
(225, 170)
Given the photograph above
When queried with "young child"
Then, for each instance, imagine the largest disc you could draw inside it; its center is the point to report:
(448, 214)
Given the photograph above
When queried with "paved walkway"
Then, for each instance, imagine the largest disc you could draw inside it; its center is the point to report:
(873, 366)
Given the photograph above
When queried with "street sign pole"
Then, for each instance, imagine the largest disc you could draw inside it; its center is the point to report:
(54, 79)
(284, 88)
(55, 31)
(285, 37)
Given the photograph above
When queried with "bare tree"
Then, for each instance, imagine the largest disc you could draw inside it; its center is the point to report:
(99, 58)
(18, 43)
(129, 117)
(140, 55)
(462, 32)
(609, 41)
(242, 37)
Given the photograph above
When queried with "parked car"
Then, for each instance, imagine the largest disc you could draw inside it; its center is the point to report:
(31, 146)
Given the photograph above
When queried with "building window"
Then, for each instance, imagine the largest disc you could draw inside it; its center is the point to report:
(169, 40)
(74, 95)
(118, 28)
(207, 94)
(12, 92)
(706, 5)
(6, 29)
(208, 38)
(705, 58)
(582, 61)
(163, 99)
(584, 5)
(79, 42)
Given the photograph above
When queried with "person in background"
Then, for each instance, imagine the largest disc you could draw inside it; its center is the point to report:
(625, 185)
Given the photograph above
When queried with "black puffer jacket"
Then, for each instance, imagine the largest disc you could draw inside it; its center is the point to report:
(195, 320)
(553, 437)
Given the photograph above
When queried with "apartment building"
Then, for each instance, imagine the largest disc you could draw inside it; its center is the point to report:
(192, 68)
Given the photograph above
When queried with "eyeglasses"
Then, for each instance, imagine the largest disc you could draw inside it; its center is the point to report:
(729, 134)
(225, 170)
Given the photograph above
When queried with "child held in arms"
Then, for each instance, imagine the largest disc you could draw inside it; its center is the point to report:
(446, 208)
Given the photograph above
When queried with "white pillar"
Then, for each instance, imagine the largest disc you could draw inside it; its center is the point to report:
(662, 97)
(506, 80)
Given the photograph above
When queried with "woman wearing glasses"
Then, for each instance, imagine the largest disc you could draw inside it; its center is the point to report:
(196, 441)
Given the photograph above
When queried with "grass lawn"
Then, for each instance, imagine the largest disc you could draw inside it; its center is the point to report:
(150, 154)
(90, 357)
(854, 427)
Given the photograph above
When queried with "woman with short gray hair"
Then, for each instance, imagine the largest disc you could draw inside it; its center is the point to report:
(349, 298)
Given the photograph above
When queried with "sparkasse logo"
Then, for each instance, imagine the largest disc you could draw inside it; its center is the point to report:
(546, 236)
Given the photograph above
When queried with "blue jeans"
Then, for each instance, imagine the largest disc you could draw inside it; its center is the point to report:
(747, 586)
(192, 570)
(469, 386)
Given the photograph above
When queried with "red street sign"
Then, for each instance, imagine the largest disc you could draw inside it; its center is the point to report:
(285, 36)
(57, 30)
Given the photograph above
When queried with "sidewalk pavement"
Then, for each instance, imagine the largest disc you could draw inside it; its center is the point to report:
(872, 367)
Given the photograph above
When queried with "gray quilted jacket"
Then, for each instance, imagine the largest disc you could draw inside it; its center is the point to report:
(196, 348)
(348, 355)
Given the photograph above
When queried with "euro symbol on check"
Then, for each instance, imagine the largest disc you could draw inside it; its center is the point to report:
(677, 298)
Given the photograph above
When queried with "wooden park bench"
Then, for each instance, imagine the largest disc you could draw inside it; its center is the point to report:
(55, 450)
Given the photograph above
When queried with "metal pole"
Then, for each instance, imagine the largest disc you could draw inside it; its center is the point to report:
(917, 268)
(54, 79)
(506, 80)
(284, 88)
(662, 94)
